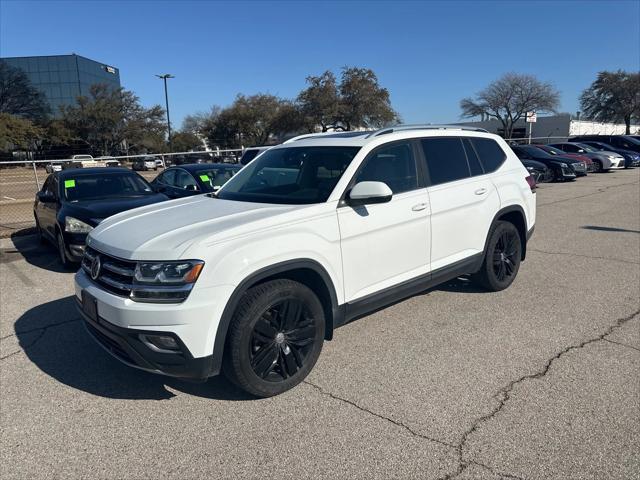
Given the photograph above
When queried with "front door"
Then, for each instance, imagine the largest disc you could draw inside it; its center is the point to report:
(388, 243)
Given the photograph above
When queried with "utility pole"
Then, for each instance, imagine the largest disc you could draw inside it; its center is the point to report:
(166, 100)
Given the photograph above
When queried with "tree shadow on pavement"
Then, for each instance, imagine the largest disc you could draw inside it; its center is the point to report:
(609, 229)
(54, 338)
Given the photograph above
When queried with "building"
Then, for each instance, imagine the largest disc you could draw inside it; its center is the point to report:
(555, 127)
(62, 78)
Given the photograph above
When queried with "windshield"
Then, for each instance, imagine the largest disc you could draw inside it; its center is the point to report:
(291, 175)
(553, 150)
(110, 185)
(213, 178)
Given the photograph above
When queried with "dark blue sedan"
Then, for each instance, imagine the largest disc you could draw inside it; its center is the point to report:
(74, 201)
(194, 179)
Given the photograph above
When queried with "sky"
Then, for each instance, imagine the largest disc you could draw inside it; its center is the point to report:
(428, 54)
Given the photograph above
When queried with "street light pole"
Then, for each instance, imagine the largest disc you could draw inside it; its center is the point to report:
(166, 100)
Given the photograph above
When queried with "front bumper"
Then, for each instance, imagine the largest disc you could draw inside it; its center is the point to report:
(126, 345)
(75, 245)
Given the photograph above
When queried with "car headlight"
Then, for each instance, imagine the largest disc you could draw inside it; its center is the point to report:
(73, 225)
(165, 281)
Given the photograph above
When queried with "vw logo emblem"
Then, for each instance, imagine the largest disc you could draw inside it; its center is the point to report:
(95, 267)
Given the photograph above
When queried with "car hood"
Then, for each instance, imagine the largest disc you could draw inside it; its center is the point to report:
(94, 211)
(603, 153)
(165, 231)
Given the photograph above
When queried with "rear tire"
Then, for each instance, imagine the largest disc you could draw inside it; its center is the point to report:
(502, 258)
(275, 338)
(39, 233)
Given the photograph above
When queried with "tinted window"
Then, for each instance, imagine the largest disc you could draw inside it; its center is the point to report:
(185, 180)
(168, 177)
(290, 175)
(491, 155)
(394, 165)
(472, 157)
(446, 159)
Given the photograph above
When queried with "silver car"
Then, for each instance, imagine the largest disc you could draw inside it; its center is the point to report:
(604, 160)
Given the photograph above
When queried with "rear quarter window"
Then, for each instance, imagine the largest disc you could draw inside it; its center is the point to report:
(490, 153)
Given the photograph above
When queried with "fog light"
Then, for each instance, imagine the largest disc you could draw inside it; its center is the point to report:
(161, 342)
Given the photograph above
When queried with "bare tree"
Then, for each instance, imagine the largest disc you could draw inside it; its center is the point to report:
(612, 97)
(509, 98)
(18, 97)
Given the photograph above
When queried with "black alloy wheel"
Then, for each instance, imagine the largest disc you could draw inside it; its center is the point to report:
(281, 340)
(502, 258)
(275, 337)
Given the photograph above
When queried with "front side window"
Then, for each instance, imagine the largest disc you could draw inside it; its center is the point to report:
(185, 181)
(290, 175)
(446, 159)
(394, 165)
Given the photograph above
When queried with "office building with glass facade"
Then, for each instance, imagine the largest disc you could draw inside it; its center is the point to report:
(62, 78)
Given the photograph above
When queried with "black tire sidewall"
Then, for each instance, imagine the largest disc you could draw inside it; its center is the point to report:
(237, 362)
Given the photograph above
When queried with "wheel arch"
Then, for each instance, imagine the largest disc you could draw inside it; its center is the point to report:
(306, 271)
(513, 214)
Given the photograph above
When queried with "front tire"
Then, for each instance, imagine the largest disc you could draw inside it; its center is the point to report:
(502, 258)
(275, 337)
(62, 252)
(598, 164)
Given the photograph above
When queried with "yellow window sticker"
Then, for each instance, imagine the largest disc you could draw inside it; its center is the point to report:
(204, 178)
(69, 183)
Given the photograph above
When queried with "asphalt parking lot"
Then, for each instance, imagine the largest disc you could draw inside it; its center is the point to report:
(539, 381)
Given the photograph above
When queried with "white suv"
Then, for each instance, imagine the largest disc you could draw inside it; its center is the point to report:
(311, 234)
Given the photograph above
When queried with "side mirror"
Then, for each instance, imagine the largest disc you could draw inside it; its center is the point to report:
(365, 193)
(46, 197)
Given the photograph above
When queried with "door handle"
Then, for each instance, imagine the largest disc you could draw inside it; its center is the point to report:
(418, 207)
(480, 191)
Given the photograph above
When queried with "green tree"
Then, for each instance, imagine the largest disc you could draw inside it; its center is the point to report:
(18, 133)
(320, 102)
(107, 118)
(18, 97)
(185, 141)
(613, 97)
(363, 102)
(509, 98)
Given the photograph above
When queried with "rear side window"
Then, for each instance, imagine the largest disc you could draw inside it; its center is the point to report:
(474, 162)
(490, 153)
(446, 159)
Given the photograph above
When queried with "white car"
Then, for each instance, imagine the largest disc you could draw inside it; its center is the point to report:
(53, 167)
(309, 235)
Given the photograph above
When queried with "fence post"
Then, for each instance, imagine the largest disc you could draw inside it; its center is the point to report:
(35, 174)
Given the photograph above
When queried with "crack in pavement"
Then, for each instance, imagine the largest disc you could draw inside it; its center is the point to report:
(42, 331)
(584, 256)
(622, 344)
(501, 474)
(600, 190)
(382, 417)
(504, 394)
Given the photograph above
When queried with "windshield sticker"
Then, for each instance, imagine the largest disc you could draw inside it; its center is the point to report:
(204, 178)
(69, 183)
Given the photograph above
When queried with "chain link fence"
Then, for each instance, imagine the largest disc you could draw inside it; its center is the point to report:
(21, 180)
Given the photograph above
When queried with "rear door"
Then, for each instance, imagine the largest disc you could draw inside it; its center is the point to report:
(463, 199)
(388, 243)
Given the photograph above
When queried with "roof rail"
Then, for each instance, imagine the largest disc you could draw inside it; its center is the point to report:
(339, 134)
(401, 128)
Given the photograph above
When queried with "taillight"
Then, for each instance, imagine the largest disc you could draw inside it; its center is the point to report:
(532, 183)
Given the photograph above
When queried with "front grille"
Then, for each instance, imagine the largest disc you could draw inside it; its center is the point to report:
(116, 275)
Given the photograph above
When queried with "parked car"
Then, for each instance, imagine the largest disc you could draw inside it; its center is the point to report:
(53, 167)
(576, 156)
(160, 163)
(193, 179)
(604, 161)
(108, 161)
(631, 158)
(539, 171)
(561, 168)
(251, 153)
(259, 275)
(626, 142)
(144, 164)
(72, 202)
